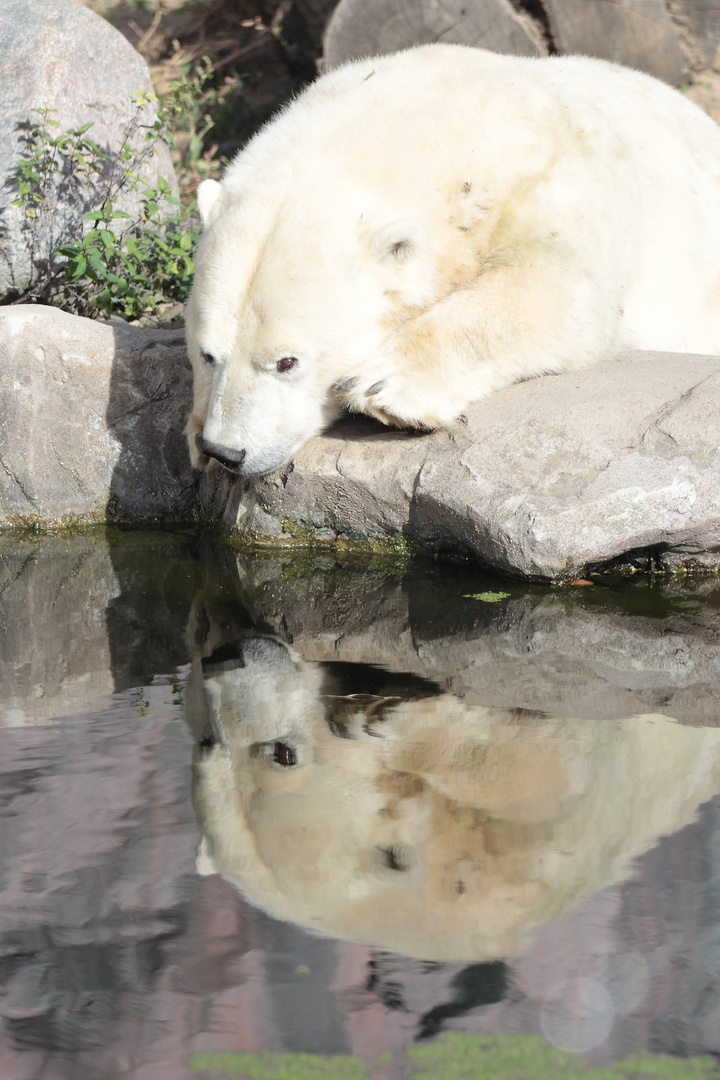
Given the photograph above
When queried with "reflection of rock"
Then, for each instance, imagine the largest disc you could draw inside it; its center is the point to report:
(365, 805)
(54, 653)
(85, 616)
(593, 654)
(98, 902)
(117, 957)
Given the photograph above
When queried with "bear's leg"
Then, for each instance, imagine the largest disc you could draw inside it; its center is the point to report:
(516, 321)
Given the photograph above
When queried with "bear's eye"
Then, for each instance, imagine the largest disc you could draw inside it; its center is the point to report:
(286, 363)
(284, 755)
(207, 357)
(276, 753)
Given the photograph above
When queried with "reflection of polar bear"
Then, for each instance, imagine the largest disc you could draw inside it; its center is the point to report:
(418, 230)
(403, 818)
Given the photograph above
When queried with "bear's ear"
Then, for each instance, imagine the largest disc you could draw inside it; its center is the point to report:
(207, 196)
(401, 240)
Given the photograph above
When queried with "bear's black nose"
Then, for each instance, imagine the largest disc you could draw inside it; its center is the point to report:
(231, 459)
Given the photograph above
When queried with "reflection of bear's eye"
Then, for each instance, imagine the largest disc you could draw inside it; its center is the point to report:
(207, 357)
(286, 363)
(276, 754)
(283, 754)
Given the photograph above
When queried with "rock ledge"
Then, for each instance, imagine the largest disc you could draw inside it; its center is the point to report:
(546, 479)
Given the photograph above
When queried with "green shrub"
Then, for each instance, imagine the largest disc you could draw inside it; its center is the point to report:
(105, 261)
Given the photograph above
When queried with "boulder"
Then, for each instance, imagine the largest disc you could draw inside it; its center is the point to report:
(60, 54)
(91, 420)
(546, 479)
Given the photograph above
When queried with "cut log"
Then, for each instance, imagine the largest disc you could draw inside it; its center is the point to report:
(697, 23)
(639, 33)
(360, 28)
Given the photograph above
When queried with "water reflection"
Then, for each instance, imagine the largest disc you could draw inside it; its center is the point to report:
(389, 771)
(368, 805)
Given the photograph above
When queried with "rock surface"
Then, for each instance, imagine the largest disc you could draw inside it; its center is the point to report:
(546, 478)
(58, 53)
(91, 420)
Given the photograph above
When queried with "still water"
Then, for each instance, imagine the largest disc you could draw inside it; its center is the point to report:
(260, 807)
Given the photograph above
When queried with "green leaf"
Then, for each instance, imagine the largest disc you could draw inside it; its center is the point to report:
(95, 262)
(78, 268)
(487, 597)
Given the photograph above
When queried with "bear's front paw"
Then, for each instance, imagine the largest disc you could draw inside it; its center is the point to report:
(394, 398)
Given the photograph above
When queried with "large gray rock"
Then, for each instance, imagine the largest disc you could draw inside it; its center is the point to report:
(60, 54)
(91, 420)
(545, 479)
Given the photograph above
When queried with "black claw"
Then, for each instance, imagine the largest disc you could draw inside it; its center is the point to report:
(376, 388)
(347, 383)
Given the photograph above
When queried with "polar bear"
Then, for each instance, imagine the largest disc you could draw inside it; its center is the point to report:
(367, 805)
(418, 230)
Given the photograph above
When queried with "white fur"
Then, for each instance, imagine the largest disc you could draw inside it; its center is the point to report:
(497, 825)
(437, 224)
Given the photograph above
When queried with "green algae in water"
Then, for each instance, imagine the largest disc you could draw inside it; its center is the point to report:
(487, 597)
(528, 1057)
(460, 1057)
(274, 1066)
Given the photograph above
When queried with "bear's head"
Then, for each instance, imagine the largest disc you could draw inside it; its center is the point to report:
(289, 299)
